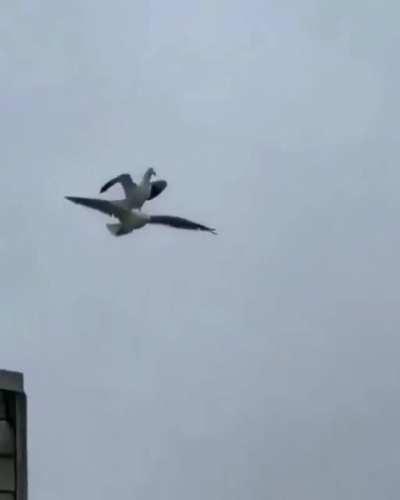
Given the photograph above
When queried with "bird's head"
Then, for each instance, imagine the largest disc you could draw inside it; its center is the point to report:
(150, 172)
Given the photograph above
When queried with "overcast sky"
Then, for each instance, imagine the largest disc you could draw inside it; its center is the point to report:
(259, 364)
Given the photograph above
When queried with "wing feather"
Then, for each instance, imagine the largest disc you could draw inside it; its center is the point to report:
(107, 207)
(124, 179)
(180, 223)
(157, 187)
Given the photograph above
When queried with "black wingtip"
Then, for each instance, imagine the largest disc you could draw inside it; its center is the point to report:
(71, 198)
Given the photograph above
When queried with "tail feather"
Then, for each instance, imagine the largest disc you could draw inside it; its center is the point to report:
(115, 229)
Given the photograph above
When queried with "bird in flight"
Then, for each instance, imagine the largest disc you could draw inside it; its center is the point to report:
(136, 194)
(130, 220)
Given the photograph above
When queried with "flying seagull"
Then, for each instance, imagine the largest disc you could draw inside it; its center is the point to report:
(137, 194)
(135, 219)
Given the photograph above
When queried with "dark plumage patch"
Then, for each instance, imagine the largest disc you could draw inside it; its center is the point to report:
(157, 187)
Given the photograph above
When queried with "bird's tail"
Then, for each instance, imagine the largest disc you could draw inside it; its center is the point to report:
(114, 229)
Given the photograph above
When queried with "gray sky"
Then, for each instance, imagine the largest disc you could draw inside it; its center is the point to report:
(173, 365)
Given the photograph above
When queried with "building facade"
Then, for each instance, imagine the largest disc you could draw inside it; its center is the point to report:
(13, 437)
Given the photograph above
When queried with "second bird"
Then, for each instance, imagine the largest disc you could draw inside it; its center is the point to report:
(136, 194)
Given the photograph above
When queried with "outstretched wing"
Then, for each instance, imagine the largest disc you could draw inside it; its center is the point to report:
(157, 187)
(179, 223)
(107, 207)
(125, 180)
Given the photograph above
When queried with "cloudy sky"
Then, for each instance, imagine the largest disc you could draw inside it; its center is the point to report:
(262, 363)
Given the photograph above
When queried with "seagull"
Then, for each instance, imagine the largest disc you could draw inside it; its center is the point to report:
(130, 220)
(136, 194)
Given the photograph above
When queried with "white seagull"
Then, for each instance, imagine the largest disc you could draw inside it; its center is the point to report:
(136, 194)
(134, 219)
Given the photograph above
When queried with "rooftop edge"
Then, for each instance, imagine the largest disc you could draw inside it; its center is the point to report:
(11, 381)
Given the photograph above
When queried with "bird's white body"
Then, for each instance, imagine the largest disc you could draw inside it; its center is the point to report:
(136, 195)
(129, 220)
(142, 193)
(136, 199)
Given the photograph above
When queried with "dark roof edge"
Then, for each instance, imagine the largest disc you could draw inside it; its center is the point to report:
(11, 381)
